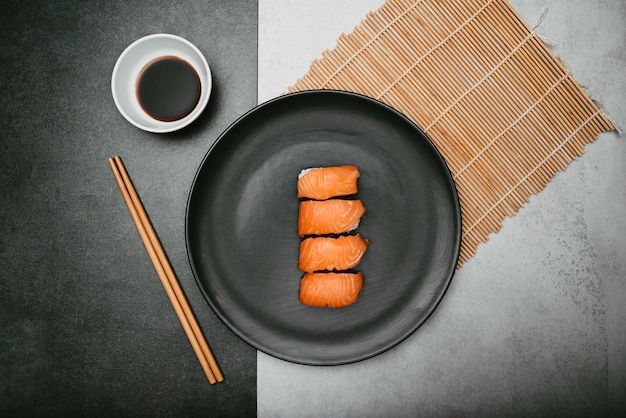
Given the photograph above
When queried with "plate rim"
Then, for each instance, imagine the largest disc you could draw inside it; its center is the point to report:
(446, 283)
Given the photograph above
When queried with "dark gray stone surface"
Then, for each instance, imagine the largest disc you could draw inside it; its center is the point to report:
(85, 325)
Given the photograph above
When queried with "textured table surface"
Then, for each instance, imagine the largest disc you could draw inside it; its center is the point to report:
(85, 325)
(533, 325)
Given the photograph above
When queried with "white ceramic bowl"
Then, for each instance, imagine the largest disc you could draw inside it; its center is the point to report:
(131, 62)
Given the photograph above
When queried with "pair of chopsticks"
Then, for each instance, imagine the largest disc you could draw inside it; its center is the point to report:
(164, 270)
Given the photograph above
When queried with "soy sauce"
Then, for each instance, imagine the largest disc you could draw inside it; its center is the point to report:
(168, 88)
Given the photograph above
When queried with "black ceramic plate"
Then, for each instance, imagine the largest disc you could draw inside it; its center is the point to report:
(241, 226)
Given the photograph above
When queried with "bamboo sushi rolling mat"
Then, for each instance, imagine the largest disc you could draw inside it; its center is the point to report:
(505, 113)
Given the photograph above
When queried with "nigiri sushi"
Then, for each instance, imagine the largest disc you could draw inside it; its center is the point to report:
(334, 216)
(333, 290)
(324, 182)
(323, 253)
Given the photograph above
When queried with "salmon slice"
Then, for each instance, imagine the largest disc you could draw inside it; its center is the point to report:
(333, 290)
(325, 182)
(323, 253)
(333, 216)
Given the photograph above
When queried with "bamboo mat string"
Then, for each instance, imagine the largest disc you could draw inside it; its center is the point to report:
(433, 49)
(355, 54)
(503, 111)
(515, 122)
(482, 80)
(527, 176)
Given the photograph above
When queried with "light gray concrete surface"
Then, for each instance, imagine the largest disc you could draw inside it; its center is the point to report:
(534, 323)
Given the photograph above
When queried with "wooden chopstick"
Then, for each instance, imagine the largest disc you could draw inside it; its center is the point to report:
(165, 272)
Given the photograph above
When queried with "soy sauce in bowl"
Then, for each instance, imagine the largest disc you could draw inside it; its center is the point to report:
(168, 88)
